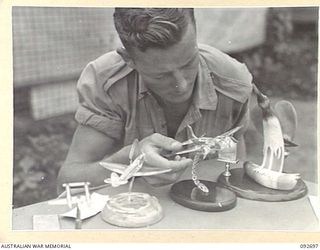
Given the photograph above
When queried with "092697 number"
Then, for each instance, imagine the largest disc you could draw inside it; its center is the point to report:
(309, 246)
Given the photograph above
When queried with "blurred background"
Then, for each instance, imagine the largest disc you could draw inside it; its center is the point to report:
(52, 45)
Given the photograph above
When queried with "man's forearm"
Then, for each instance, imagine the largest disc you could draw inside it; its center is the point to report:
(121, 156)
(82, 172)
(92, 172)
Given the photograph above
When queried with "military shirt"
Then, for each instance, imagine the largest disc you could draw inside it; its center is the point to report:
(115, 101)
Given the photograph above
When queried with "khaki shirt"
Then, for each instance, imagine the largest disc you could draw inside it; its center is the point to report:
(115, 101)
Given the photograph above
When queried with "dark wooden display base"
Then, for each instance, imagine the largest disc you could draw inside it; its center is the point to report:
(218, 199)
(245, 187)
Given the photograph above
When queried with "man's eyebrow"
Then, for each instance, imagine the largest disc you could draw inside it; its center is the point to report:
(189, 61)
(195, 54)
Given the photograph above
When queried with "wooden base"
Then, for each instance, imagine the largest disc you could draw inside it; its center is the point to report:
(132, 210)
(245, 187)
(218, 199)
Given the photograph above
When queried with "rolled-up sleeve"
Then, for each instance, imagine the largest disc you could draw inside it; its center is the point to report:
(96, 108)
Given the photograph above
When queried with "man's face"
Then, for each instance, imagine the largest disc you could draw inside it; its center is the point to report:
(170, 73)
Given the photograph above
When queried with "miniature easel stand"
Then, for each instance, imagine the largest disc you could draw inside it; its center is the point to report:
(68, 187)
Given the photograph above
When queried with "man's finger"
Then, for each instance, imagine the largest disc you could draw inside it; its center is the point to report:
(154, 159)
(177, 158)
(165, 142)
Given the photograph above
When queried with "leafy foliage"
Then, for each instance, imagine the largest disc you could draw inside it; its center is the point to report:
(286, 65)
(40, 149)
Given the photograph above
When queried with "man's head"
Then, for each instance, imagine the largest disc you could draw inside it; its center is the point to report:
(161, 45)
(144, 28)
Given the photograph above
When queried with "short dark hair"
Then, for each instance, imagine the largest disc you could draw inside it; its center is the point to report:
(151, 27)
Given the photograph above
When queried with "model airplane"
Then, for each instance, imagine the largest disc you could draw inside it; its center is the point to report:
(208, 145)
(121, 173)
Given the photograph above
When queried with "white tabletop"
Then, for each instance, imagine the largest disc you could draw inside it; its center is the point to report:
(296, 215)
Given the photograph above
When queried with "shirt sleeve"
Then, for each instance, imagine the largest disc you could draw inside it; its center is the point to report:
(97, 109)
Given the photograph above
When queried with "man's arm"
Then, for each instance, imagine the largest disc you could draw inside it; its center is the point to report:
(89, 146)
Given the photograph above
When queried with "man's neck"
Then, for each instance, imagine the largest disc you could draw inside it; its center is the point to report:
(174, 114)
(166, 104)
(179, 105)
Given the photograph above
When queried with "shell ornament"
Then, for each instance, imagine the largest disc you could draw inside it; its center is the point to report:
(270, 172)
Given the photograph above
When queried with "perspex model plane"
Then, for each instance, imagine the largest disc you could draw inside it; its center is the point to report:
(121, 173)
(221, 144)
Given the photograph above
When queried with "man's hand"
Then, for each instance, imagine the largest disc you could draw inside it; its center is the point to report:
(152, 146)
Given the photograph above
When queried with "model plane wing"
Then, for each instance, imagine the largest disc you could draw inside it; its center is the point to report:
(120, 168)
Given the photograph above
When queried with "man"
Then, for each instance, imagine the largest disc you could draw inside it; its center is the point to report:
(151, 89)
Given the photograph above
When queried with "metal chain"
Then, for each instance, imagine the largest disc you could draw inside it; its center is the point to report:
(195, 179)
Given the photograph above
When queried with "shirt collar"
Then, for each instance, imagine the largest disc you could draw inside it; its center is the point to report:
(142, 88)
(204, 95)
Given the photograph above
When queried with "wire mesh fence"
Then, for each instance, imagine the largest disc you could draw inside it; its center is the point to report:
(50, 48)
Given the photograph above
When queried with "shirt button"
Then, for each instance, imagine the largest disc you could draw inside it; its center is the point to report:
(163, 125)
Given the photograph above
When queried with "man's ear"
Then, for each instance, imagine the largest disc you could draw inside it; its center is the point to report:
(125, 56)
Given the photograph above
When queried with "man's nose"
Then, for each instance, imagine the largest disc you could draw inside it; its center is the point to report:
(180, 82)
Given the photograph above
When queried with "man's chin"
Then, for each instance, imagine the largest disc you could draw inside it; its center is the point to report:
(178, 99)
